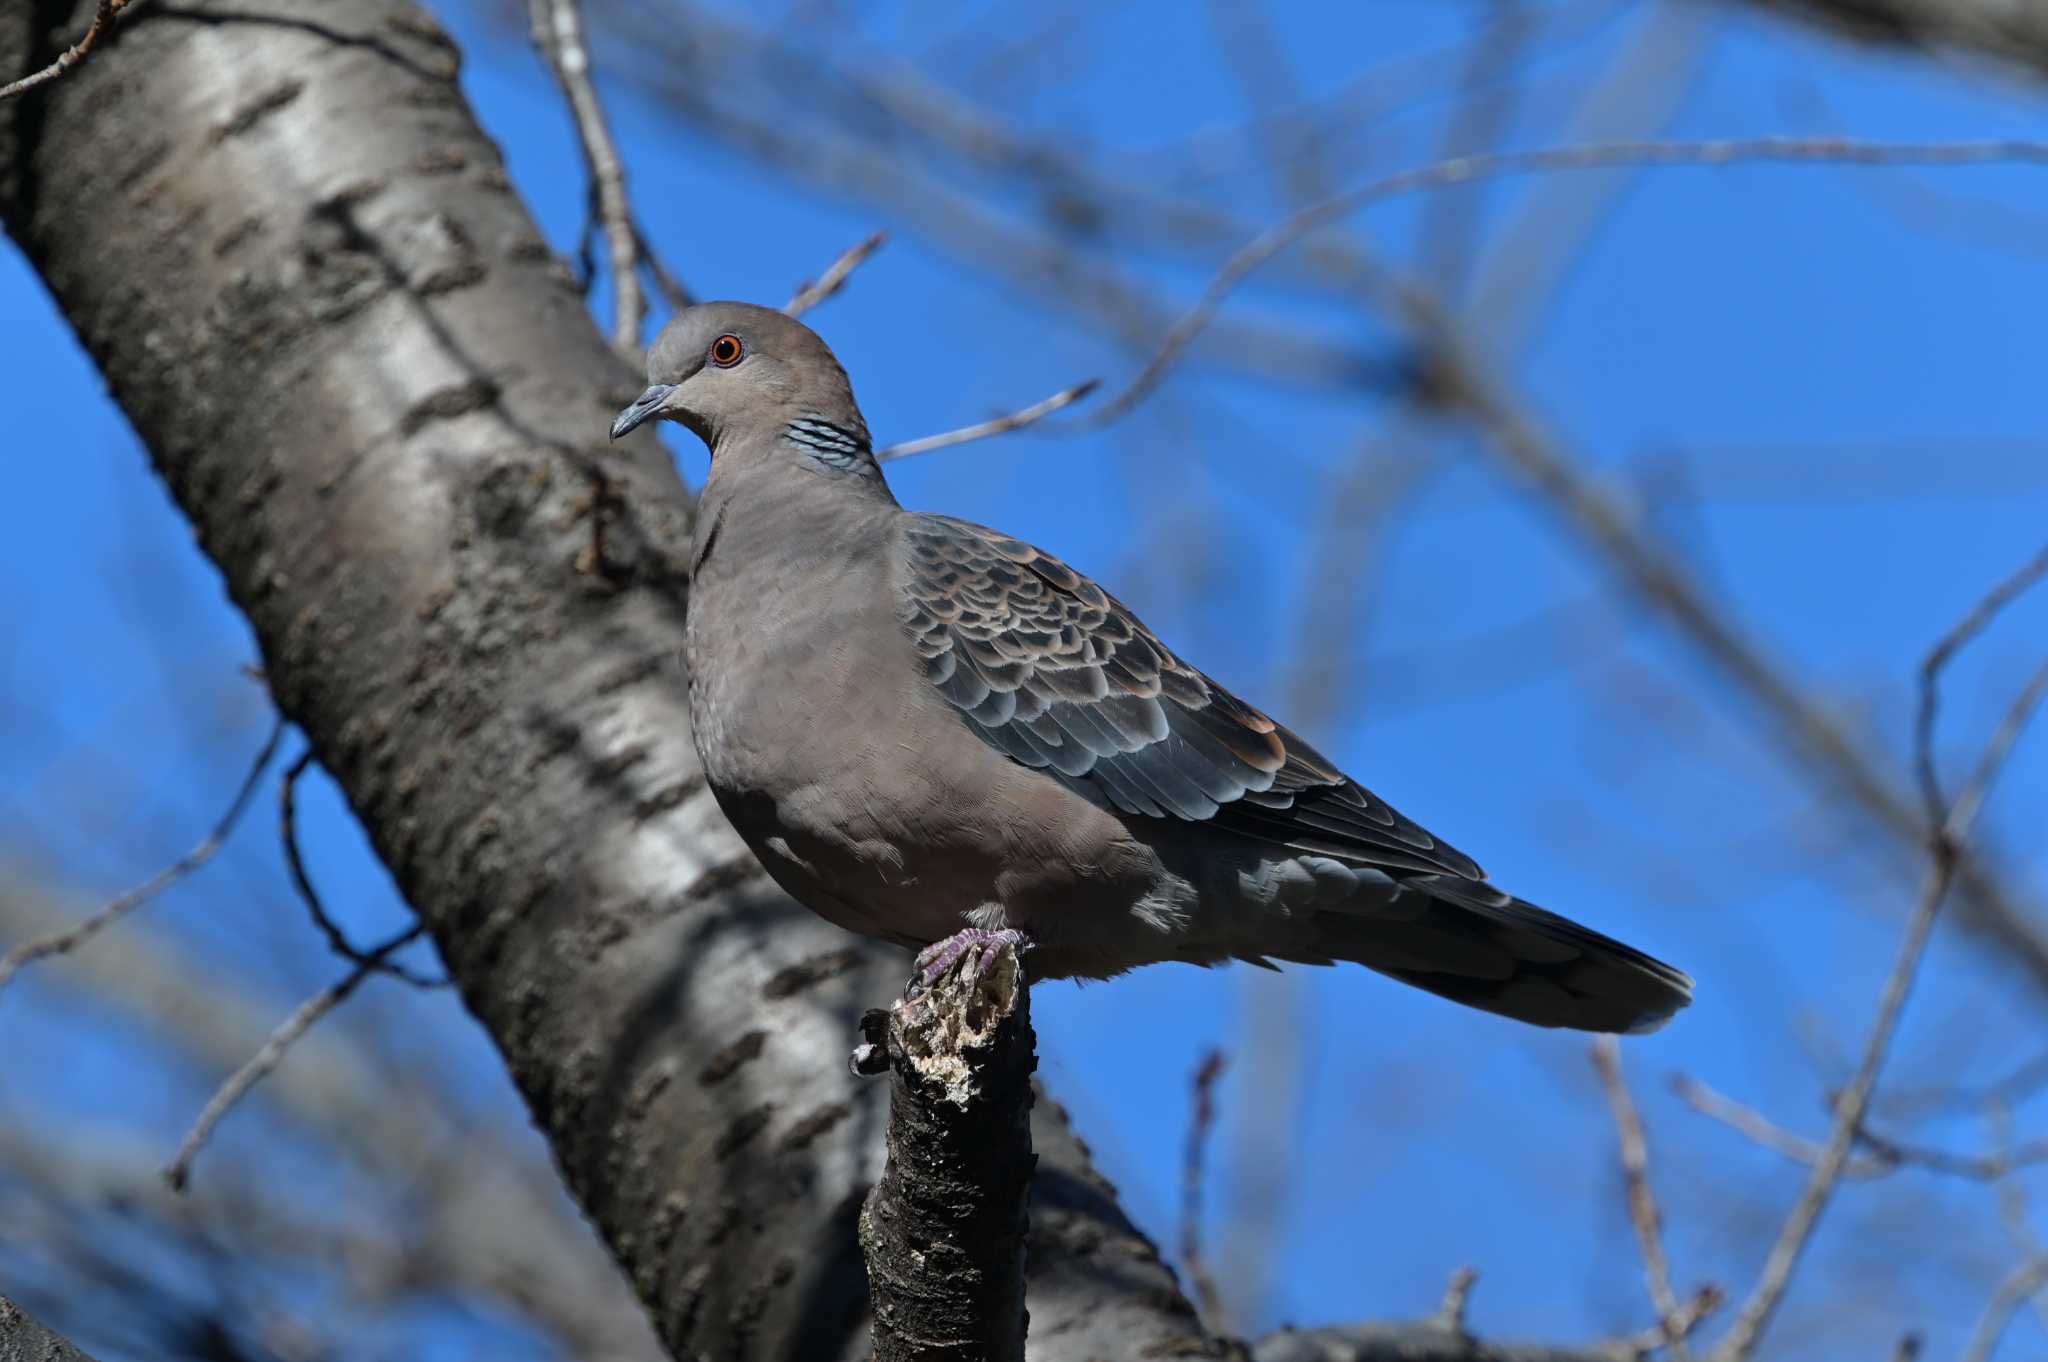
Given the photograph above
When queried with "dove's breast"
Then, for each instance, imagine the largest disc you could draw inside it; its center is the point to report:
(861, 789)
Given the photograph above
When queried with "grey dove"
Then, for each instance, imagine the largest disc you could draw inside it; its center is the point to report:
(930, 732)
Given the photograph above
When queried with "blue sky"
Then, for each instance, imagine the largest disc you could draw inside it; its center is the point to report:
(1822, 385)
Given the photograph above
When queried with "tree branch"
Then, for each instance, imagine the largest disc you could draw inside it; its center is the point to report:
(558, 34)
(272, 1053)
(835, 276)
(943, 1229)
(24, 1340)
(1946, 841)
(1642, 1200)
(981, 430)
(103, 18)
(69, 938)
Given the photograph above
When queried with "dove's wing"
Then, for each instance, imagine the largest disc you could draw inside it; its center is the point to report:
(1058, 674)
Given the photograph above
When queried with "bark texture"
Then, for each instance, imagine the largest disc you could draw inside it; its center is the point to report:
(364, 376)
(24, 1340)
(943, 1230)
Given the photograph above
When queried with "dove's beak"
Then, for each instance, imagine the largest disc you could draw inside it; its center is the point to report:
(644, 406)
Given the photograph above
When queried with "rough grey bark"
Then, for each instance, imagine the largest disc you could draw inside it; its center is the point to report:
(2014, 31)
(369, 383)
(24, 1340)
(943, 1228)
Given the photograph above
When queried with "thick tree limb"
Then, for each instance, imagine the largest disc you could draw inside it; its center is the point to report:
(24, 1340)
(943, 1230)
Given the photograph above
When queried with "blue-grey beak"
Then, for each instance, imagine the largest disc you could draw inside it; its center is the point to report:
(643, 407)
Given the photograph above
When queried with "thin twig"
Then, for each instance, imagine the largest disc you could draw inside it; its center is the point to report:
(1001, 425)
(337, 940)
(1200, 1126)
(102, 19)
(1747, 1120)
(1583, 156)
(57, 943)
(2022, 1284)
(558, 33)
(268, 1057)
(1992, 761)
(835, 276)
(1655, 1339)
(1885, 1153)
(2012, 1196)
(1642, 1201)
(1981, 1167)
(1966, 629)
(1451, 1311)
(1945, 850)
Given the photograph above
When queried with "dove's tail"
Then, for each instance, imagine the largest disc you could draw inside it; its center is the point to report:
(1476, 945)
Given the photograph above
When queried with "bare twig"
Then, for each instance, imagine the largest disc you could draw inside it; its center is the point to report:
(1450, 1312)
(1945, 851)
(1642, 1201)
(558, 33)
(1990, 1167)
(1659, 1336)
(1993, 758)
(337, 940)
(1884, 1155)
(56, 943)
(1200, 1126)
(1584, 156)
(1967, 629)
(1001, 425)
(1798, 1229)
(835, 276)
(267, 1058)
(102, 20)
(1747, 1120)
(2024, 1283)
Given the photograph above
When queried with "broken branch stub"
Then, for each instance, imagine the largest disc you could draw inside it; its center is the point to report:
(943, 1230)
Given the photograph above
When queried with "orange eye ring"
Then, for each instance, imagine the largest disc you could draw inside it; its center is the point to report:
(726, 351)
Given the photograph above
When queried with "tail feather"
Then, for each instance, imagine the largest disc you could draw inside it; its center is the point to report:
(1487, 949)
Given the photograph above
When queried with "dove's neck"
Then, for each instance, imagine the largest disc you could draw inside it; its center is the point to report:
(774, 499)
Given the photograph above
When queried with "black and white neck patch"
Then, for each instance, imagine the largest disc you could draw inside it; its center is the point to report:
(831, 444)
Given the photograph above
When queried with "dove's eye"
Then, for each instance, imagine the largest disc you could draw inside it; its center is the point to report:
(726, 351)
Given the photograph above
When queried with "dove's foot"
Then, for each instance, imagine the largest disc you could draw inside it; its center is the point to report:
(977, 944)
(940, 956)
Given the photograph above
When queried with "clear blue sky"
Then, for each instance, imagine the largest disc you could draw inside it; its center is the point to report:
(1833, 376)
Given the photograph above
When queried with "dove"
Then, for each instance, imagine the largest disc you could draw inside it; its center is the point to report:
(936, 734)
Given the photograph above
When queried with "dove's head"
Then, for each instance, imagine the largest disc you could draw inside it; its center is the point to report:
(730, 371)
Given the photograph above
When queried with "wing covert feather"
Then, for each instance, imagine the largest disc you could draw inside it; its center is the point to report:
(1057, 674)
